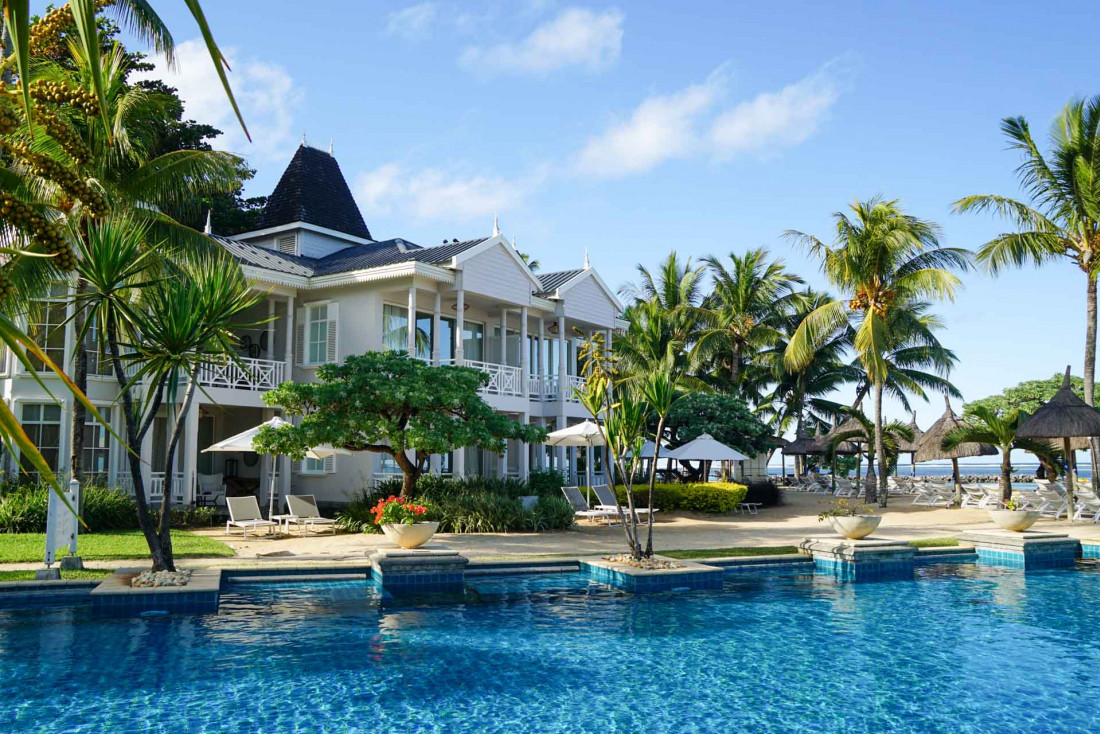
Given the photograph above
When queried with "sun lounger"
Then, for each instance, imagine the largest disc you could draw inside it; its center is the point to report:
(581, 509)
(303, 512)
(244, 513)
(1054, 505)
(1086, 509)
(608, 501)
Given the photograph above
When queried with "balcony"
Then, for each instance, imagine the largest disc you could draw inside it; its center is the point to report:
(155, 491)
(503, 379)
(546, 387)
(245, 374)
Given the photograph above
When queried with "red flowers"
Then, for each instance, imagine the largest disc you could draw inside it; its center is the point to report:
(393, 510)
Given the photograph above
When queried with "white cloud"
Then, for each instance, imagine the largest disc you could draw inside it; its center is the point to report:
(775, 119)
(660, 128)
(411, 22)
(577, 37)
(435, 193)
(684, 124)
(265, 92)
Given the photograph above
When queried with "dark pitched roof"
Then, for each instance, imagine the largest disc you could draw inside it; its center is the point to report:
(552, 281)
(313, 190)
(359, 257)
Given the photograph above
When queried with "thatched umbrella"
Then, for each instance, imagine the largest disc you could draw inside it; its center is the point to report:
(930, 446)
(803, 445)
(1067, 417)
(910, 447)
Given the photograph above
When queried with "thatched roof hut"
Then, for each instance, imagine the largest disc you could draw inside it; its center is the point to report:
(910, 447)
(1064, 416)
(849, 426)
(804, 445)
(930, 448)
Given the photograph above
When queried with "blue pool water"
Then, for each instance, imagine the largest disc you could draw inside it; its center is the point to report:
(960, 649)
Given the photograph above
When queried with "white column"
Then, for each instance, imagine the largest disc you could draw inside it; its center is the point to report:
(524, 354)
(502, 461)
(146, 459)
(410, 331)
(524, 452)
(563, 383)
(504, 336)
(540, 358)
(460, 325)
(270, 329)
(437, 327)
(288, 345)
(190, 453)
(458, 461)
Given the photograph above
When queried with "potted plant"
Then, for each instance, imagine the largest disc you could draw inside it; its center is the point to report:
(851, 521)
(1014, 517)
(403, 522)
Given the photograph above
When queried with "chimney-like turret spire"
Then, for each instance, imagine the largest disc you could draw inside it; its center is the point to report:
(496, 226)
(587, 265)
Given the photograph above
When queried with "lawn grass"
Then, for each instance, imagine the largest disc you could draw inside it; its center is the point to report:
(934, 542)
(118, 545)
(88, 573)
(757, 550)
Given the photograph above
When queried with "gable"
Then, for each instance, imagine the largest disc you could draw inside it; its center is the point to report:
(496, 273)
(587, 301)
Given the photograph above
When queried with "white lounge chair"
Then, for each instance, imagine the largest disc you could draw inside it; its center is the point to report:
(608, 501)
(304, 513)
(244, 513)
(1054, 505)
(581, 509)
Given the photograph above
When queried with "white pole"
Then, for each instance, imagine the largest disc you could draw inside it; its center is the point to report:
(271, 491)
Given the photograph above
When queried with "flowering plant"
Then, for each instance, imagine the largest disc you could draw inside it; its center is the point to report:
(393, 511)
(844, 508)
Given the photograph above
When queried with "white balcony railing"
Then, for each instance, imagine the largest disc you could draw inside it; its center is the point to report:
(155, 491)
(503, 379)
(249, 374)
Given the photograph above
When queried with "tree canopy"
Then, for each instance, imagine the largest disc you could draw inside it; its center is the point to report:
(725, 417)
(390, 403)
(1025, 397)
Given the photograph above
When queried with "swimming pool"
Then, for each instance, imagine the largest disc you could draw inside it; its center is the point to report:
(962, 648)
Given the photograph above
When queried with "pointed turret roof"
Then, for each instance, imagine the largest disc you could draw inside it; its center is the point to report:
(313, 190)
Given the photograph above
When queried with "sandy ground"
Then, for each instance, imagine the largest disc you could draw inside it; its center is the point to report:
(784, 525)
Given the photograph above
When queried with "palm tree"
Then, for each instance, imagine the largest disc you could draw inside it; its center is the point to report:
(1061, 215)
(985, 425)
(743, 313)
(880, 258)
(883, 442)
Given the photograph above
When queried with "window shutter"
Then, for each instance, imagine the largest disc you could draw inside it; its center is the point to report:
(287, 244)
(300, 336)
(330, 464)
(333, 326)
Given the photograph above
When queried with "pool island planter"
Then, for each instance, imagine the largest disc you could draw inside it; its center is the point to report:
(419, 570)
(410, 536)
(865, 559)
(114, 596)
(1015, 521)
(687, 576)
(1030, 550)
(855, 527)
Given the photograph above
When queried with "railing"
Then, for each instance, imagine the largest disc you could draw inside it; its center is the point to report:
(245, 374)
(503, 379)
(155, 490)
(545, 387)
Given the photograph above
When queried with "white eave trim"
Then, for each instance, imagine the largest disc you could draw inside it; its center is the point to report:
(306, 226)
(590, 273)
(368, 275)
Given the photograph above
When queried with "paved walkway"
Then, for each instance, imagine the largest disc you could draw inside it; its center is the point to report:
(784, 525)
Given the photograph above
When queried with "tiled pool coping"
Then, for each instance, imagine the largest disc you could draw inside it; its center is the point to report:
(115, 596)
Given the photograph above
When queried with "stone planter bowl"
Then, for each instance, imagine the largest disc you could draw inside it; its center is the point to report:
(410, 536)
(855, 527)
(1015, 520)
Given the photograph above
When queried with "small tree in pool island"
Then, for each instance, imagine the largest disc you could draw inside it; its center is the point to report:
(389, 403)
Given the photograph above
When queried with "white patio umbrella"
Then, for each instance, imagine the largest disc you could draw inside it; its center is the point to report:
(706, 448)
(243, 442)
(586, 434)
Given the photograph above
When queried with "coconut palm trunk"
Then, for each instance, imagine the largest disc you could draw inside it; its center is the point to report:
(1090, 370)
(164, 522)
(880, 446)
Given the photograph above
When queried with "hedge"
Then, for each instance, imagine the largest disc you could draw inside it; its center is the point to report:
(712, 497)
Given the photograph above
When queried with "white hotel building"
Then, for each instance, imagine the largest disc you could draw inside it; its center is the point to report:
(333, 290)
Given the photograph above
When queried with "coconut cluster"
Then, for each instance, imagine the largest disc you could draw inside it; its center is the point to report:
(65, 136)
(7, 287)
(45, 167)
(61, 93)
(42, 231)
(46, 35)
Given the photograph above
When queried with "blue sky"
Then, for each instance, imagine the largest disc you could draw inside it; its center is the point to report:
(638, 128)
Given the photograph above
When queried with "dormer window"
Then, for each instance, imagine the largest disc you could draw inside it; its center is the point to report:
(287, 243)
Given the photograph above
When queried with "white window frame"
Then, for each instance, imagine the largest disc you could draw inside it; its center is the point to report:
(302, 333)
(310, 469)
(47, 304)
(62, 437)
(89, 420)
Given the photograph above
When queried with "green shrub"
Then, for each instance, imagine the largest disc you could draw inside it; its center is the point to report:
(765, 493)
(356, 516)
(23, 508)
(192, 517)
(718, 498)
(551, 513)
(546, 482)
